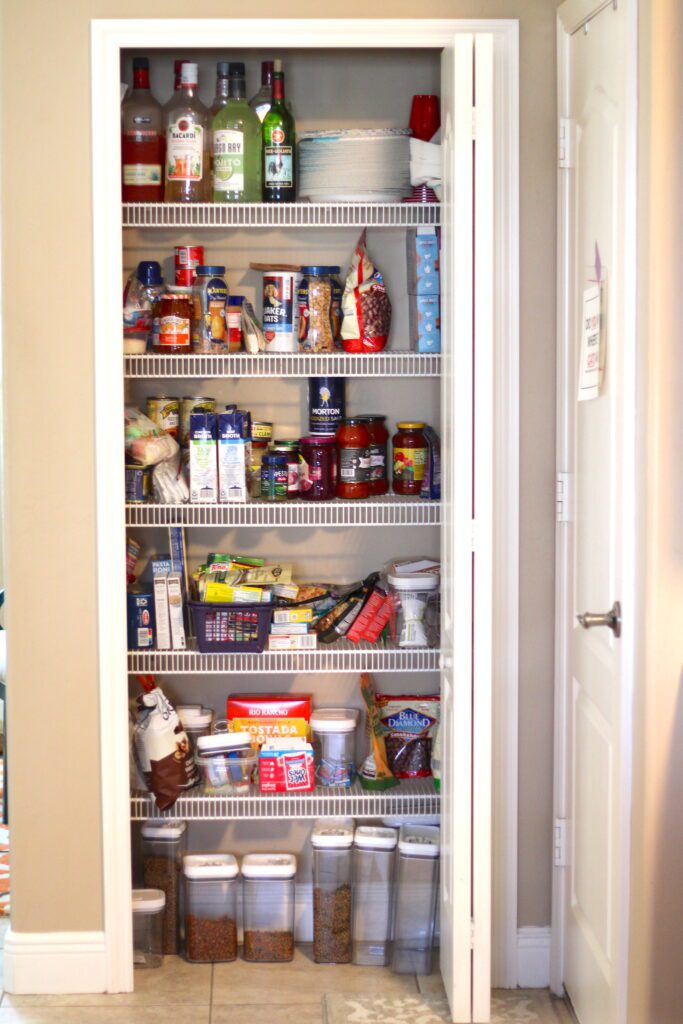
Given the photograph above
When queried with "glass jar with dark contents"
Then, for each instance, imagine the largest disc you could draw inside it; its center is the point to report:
(291, 450)
(379, 440)
(274, 478)
(353, 460)
(318, 467)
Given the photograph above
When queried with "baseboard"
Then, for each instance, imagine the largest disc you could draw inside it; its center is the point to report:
(54, 963)
(533, 957)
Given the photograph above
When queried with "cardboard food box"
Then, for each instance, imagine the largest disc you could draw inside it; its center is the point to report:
(270, 716)
(424, 323)
(286, 766)
(422, 250)
(203, 463)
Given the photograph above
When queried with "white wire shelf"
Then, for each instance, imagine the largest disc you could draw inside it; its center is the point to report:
(383, 511)
(294, 364)
(268, 215)
(411, 797)
(343, 656)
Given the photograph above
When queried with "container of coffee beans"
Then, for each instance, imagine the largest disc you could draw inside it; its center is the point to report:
(211, 885)
(268, 903)
(332, 873)
(163, 846)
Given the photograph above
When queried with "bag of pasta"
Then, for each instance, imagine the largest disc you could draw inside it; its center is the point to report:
(365, 305)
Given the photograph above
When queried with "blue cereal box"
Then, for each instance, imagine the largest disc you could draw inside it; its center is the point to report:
(140, 620)
(424, 320)
(423, 261)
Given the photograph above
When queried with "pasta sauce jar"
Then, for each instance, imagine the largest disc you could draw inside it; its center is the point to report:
(175, 319)
(353, 459)
(410, 458)
(318, 467)
(379, 439)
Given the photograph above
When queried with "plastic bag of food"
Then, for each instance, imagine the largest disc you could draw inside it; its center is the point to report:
(162, 749)
(252, 332)
(170, 486)
(409, 726)
(146, 443)
(365, 305)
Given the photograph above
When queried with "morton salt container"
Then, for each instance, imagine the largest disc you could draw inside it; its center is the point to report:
(326, 404)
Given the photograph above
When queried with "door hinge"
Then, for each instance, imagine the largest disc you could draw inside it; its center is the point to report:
(560, 829)
(472, 933)
(564, 497)
(566, 143)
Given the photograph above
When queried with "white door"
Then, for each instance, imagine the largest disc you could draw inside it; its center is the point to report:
(597, 62)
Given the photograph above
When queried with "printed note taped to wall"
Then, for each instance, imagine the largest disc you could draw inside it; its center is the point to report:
(592, 344)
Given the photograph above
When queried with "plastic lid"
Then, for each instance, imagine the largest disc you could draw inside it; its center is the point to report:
(286, 444)
(332, 835)
(419, 840)
(145, 901)
(149, 272)
(163, 828)
(416, 581)
(236, 300)
(236, 69)
(376, 837)
(275, 460)
(370, 416)
(269, 865)
(222, 741)
(223, 68)
(410, 426)
(140, 64)
(414, 819)
(210, 865)
(319, 271)
(189, 73)
(194, 716)
(334, 720)
(210, 269)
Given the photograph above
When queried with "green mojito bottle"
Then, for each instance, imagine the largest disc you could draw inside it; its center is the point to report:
(236, 146)
(279, 170)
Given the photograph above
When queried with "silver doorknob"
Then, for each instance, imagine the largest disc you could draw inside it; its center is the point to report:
(611, 619)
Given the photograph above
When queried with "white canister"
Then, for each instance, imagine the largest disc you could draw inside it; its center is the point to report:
(281, 310)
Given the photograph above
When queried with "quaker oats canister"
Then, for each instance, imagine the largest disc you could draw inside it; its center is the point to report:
(280, 307)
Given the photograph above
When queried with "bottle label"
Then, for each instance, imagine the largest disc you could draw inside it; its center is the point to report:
(378, 461)
(278, 163)
(142, 174)
(174, 331)
(354, 465)
(184, 151)
(409, 464)
(228, 160)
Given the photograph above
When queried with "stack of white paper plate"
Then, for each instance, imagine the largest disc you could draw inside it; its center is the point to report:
(354, 165)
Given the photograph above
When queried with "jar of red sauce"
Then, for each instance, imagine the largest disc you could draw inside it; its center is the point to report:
(319, 467)
(353, 459)
(175, 321)
(379, 439)
(410, 458)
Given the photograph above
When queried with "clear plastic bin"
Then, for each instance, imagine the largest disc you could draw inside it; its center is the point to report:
(148, 914)
(268, 903)
(163, 846)
(196, 721)
(227, 762)
(334, 745)
(416, 605)
(211, 884)
(416, 894)
(374, 857)
(332, 877)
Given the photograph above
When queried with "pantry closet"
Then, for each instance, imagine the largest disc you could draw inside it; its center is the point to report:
(337, 76)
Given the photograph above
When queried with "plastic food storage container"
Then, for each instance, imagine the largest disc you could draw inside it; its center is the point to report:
(332, 876)
(211, 884)
(227, 762)
(416, 605)
(196, 721)
(268, 905)
(334, 745)
(374, 854)
(417, 880)
(148, 915)
(163, 846)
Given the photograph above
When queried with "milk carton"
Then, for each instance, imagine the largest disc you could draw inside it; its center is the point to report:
(203, 465)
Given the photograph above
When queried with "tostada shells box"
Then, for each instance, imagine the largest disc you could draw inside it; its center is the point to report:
(270, 716)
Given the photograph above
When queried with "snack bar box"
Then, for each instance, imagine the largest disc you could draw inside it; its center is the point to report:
(270, 716)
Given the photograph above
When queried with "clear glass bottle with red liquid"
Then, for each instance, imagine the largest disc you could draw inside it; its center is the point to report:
(143, 141)
(188, 171)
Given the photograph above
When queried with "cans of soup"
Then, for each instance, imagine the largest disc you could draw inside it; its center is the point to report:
(138, 483)
(165, 412)
(187, 259)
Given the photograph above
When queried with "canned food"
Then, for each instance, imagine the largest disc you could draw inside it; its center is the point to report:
(261, 431)
(187, 259)
(198, 403)
(280, 310)
(233, 316)
(138, 483)
(164, 412)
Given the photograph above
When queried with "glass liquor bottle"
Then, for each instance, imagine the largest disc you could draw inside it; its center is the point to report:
(279, 141)
(236, 148)
(222, 87)
(260, 103)
(188, 176)
(142, 141)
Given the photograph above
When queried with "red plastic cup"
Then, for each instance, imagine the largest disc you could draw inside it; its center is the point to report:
(424, 117)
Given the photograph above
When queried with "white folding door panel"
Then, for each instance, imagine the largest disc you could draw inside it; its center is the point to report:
(466, 533)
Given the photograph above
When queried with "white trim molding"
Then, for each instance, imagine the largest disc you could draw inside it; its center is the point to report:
(533, 957)
(54, 963)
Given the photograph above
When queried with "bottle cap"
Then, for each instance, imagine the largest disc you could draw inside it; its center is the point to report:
(140, 64)
(188, 74)
(223, 68)
(236, 70)
(210, 269)
(277, 66)
(266, 71)
(410, 426)
(149, 272)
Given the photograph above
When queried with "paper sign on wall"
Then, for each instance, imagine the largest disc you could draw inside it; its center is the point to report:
(592, 344)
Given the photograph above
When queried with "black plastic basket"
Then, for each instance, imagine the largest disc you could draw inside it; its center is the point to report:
(231, 628)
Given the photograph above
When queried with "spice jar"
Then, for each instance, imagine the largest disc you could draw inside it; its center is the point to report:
(211, 885)
(334, 745)
(353, 461)
(332, 874)
(318, 467)
(227, 762)
(292, 452)
(210, 294)
(196, 721)
(163, 845)
(417, 878)
(316, 324)
(409, 458)
(175, 322)
(379, 439)
(268, 907)
(274, 478)
(258, 450)
(148, 913)
(233, 315)
(373, 874)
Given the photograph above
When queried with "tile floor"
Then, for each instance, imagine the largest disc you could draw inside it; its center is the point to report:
(297, 993)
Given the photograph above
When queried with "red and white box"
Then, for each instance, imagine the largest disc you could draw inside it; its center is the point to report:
(286, 766)
(270, 716)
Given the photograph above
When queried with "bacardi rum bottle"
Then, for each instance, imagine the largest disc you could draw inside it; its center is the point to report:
(188, 177)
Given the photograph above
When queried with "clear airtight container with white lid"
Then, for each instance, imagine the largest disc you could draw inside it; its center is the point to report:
(148, 912)
(334, 745)
(227, 762)
(268, 903)
(417, 883)
(374, 854)
(196, 721)
(211, 885)
(332, 877)
(163, 846)
(416, 602)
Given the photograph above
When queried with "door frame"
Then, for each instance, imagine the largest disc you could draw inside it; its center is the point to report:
(108, 38)
(572, 16)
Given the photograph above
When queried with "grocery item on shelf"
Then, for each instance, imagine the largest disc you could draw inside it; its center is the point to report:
(260, 103)
(366, 305)
(436, 758)
(409, 724)
(279, 305)
(353, 459)
(375, 772)
(138, 483)
(196, 720)
(261, 431)
(318, 300)
(326, 404)
(422, 260)
(424, 323)
(409, 457)
(274, 477)
(227, 763)
(292, 452)
(170, 486)
(234, 321)
(145, 443)
(163, 845)
(268, 906)
(175, 322)
(337, 622)
(209, 327)
(203, 463)
(234, 455)
(334, 745)
(236, 145)
(222, 87)
(332, 891)
(141, 304)
(228, 629)
(195, 403)
(269, 716)
(417, 886)
(187, 258)
(143, 141)
(279, 145)
(377, 450)
(148, 914)
(318, 468)
(286, 766)
(211, 887)
(188, 150)
(252, 331)
(161, 747)
(165, 412)
(431, 482)
(140, 615)
(415, 599)
(374, 854)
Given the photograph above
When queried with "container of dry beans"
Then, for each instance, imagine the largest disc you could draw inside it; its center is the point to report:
(318, 309)
(332, 874)
(163, 846)
(211, 884)
(268, 906)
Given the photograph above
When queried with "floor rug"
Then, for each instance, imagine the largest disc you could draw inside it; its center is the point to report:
(513, 1007)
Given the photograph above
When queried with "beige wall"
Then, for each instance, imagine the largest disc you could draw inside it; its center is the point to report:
(56, 862)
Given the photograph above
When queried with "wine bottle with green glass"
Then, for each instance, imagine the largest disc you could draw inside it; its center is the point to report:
(279, 146)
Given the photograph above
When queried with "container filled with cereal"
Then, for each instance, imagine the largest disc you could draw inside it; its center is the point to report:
(268, 906)
(332, 876)
(318, 324)
(211, 885)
